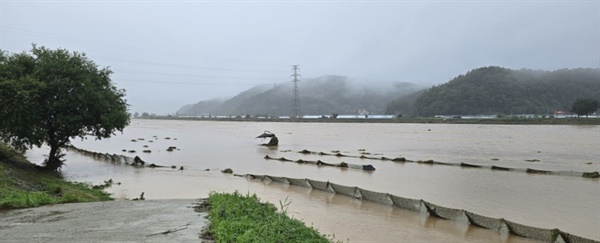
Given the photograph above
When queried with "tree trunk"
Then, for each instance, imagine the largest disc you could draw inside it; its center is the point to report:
(54, 161)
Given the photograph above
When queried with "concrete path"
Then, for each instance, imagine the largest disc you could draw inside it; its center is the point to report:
(113, 221)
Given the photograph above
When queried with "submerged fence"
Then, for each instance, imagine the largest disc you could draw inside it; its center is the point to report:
(592, 174)
(419, 205)
(118, 158)
(368, 167)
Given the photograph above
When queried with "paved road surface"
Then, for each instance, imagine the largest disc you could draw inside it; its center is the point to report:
(173, 220)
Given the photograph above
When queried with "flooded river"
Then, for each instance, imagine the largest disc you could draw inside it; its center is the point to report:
(204, 148)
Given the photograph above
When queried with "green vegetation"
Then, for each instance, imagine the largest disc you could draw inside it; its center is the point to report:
(584, 106)
(319, 96)
(50, 96)
(496, 90)
(482, 91)
(404, 105)
(23, 184)
(238, 218)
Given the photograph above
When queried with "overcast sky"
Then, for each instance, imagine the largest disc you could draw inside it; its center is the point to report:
(170, 53)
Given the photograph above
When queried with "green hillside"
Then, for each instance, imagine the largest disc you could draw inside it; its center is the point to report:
(497, 90)
(318, 96)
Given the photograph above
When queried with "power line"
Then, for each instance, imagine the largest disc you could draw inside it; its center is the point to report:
(192, 66)
(126, 80)
(126, 47)
(195, 76)
(79, 40)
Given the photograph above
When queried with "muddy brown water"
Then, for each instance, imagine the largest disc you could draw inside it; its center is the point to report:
(547, 201)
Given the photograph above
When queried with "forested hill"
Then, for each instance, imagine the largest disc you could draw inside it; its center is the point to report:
(496, 90)
(318, 96)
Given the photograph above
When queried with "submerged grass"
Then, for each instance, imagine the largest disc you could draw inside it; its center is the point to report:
(238, 218)
(23, 184)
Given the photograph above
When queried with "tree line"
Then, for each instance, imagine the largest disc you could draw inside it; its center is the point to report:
(496, 90)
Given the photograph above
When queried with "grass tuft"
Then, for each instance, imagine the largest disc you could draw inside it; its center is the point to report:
(238, 218)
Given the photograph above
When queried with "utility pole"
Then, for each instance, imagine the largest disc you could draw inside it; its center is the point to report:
(295, 93)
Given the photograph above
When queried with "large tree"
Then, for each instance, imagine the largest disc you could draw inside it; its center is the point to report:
(584, 106)
(51, 96)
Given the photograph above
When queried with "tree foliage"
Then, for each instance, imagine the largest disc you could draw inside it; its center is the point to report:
(584, 106)
(51, 96)
(405, 105)
(496, 90)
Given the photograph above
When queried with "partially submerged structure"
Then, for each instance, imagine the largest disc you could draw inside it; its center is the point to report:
(274, 141)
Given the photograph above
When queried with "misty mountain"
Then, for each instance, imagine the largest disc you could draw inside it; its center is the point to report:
(497, 90)
(318, 96)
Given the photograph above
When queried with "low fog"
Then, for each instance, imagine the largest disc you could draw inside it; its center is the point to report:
(169, 54)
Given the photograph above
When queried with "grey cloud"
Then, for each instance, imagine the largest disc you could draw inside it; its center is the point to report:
(167, 54)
